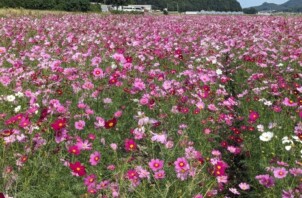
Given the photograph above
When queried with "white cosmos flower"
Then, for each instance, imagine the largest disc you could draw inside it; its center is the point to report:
(268, 103)
(113, 66)
(285, 140)
(17, 109)
(280, 65)
(260, 128)
(10, 98)
(267, 136)
(296, 138)
(288, 147)
(19, 94)
(218, 71)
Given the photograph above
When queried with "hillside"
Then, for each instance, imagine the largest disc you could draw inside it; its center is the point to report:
(289, 6)
(268, 6)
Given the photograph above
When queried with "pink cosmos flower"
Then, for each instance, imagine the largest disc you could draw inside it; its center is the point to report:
(144, 101)
(212, 107)
(244, 186)
(156, 164)
(118, 114)
(181, 165)
(91, 136)
(234, 150)
(91, 189)
(103, 185)
(24, 122)
(83, 145)
(139, 84)
(183, 175)
(80, 124)
(142, 173)
(160, 174)
(5, 80)
(190, 152)
(289, 103)
(296, 172)
(90, 180)
(111, 167)
(266, 180)
(113, 146)
(132, 174)
(169, 144)
(2, 50)
(95, 158)
(100, 122)
(107, 100)
(222, 179)
(234, 191)
(198, 196)
(96, 61)
(280, 173)
(161, 138)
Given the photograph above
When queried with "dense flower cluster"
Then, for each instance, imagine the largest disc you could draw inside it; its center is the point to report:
(178, 106)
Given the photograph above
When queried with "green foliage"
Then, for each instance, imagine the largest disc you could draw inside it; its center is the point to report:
(77, 5)
(189, 5)
(250, 11)
(95, 8)
(123, 12)
(67, 5)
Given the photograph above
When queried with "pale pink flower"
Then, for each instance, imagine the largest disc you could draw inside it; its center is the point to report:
(80, 124)
(234, 191)
(244, 186)
(139, 84)
(95, 158)
(280, 173)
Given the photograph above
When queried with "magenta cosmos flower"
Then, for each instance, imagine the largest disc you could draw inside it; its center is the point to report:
(75, 150)
(130, 145)
(266, 180)
(253, 116)
(132, 174)
(89, 180)
(156, 164)
(95, 158)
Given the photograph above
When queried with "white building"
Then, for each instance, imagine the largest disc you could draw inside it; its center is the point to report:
(214, 12)
(142, 7)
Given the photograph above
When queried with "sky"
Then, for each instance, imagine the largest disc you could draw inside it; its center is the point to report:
(249, 3)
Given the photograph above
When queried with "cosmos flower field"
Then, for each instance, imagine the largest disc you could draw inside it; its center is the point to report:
(150, 106)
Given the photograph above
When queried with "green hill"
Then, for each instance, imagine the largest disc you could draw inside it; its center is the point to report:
(289, 6)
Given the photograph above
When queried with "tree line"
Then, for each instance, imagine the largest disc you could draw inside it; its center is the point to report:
(84, 5)
(66, 5)
(184, 5)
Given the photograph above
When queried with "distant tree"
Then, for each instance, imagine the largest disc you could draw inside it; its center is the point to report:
(117, 3)
(250, 11)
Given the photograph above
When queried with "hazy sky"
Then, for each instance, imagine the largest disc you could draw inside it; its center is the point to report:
(249, 3)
